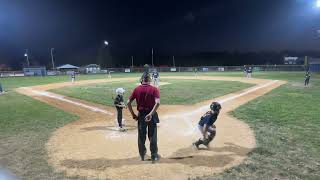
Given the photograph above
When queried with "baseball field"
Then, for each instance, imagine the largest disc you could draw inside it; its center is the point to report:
(269, 127)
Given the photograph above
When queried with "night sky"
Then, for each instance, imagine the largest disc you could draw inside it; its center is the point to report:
(132, 27)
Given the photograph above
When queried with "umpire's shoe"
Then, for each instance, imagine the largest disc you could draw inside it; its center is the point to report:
(144, 154)
(155, 158)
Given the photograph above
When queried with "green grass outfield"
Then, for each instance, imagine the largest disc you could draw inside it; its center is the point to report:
(286, 123)
(177, 92)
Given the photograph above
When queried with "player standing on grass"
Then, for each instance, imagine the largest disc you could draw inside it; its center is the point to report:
(249, 72)
(1, 88)
(245, 71)
(195, 70)
(119, 104)
(155, 78)
(306, 81)
(73, 77)
(148, 101)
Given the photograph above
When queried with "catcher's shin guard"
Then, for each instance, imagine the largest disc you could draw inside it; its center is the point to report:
(210, 138)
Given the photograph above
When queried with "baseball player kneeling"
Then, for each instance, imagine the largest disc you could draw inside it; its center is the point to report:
(206, 125)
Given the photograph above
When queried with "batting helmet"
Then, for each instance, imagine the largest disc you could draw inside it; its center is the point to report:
(120, 90)
(215, 106)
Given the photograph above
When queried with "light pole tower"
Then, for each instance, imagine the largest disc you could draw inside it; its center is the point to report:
(52, 60)
(152, 57)
(27, 56)
(131, 61)
(173, 62)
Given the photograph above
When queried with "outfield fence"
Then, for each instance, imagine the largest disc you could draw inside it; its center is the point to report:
(215, 68)
(256, 68)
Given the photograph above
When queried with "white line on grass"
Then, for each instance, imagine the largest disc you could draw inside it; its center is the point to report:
(246, 92)
(221, 101)
(62, 98)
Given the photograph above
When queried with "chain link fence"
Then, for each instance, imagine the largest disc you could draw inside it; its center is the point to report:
(256, 68)
(214, 68)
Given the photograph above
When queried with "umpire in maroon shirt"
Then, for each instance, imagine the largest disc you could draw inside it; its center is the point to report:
(148, 100)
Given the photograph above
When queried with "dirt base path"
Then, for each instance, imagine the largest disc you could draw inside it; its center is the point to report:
(92, 147)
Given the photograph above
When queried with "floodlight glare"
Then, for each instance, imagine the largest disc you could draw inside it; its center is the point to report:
(106, 43)
(318, 3)
(25, 54)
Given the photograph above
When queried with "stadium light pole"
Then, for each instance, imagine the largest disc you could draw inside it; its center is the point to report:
(174, 64)
(27, 56)
(52, 60)
(131, 61)
(152, 57)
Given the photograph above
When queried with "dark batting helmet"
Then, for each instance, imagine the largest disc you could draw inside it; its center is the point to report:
(215, 106)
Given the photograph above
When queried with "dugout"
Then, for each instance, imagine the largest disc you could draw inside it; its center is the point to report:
(91, 68)
(314, 64)
(68, 68)
(35, 71)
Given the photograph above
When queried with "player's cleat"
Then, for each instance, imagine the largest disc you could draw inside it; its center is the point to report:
(195, 145)
(122, 129)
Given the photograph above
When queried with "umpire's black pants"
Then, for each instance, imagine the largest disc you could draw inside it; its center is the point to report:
(151, 126)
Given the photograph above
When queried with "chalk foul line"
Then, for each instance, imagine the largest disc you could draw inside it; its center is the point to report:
(62, 98)
(247, 92)
(221, 101)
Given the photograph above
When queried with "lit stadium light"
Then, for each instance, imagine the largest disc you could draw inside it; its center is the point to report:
(318, 3)
(106, 43)
(25, 54)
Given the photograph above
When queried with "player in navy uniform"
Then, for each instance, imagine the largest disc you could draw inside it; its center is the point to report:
(206, 125)
(306, 81)
(73, 77)
(249, 72)
(155, 78)
(1, 90)
(245, 70)
(119, 104)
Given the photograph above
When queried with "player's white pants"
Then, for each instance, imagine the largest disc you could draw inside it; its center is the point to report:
(156, 82)
(211, 129)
